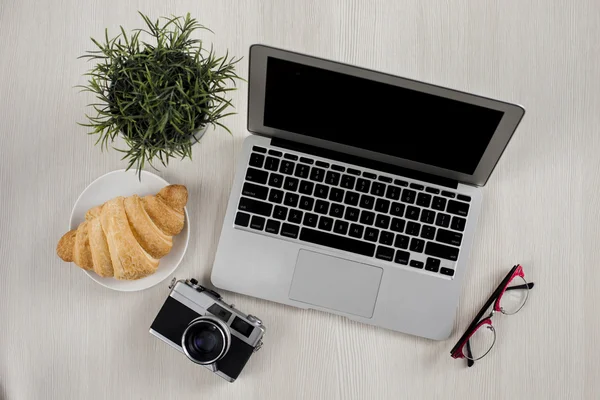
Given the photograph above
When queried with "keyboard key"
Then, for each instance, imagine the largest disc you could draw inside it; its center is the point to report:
(413, 228)
(442, 220)
(363, 185)
(397, 209)
(289, 230)
(423, 199)
(371, 234)
(432, 190)
(336, 167)
(321, 207)
(242, 219)
(259, 149)
(317, 174)
(336, 195)
(369, 175)
(306, 187)
(272, 164)
(340, 227)
(289, 156)
(256, 191)
(321, 191)
(280, 213)
(382, 205)
(291, 199)
(306, 203)
(417, 245)
(412, 212)
(447, 271)
(386, 238)
(325, 223)
(400, 182)
(385, 179)
(416, 264)
(302, 171)
(351, 198)
(402, 257)
(382, 221)
(256, 160)
(307, 160)
(276, 180)
(348, 182)
(378, 189)
(432, 264)
(322, 164)
(295, 216)
(337, 242)
(256, 175)
(367, 218)
(441, 251)
(463, 197)
(439, 203)
(310, 219)
(273, 226)
(332, 178)
(456, 207)
(290, 184)
(397, 225)
(408, 196)
(353, 171)
(401, 241)
(275, 153)
(385, 253)
(449, 237)
(427, 232)
(255, 206)
(352, 214)
(428, 216)
(276, 196)
(393, 192)
(458, 223)
(287, 167)
(257, 223)
(367, 202)
(448, 194)
(356, 231)
(336, 210)
(417, 186)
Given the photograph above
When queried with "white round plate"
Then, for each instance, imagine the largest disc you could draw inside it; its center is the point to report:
(126, 183)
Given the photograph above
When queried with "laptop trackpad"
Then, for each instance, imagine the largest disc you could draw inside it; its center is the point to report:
(331, 282)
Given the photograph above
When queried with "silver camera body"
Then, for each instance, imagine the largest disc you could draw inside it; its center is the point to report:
(210, 332)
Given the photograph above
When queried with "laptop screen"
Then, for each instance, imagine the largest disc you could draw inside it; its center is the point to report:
(376, 116)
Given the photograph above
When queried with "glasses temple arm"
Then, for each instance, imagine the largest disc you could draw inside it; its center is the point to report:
(528, 286)
(469, 355)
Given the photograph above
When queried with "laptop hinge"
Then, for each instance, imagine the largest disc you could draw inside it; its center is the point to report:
(365, 162)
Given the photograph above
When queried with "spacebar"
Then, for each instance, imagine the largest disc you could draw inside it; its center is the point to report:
(337, 242)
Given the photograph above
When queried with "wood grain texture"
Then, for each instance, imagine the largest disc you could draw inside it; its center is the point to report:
(62, 336)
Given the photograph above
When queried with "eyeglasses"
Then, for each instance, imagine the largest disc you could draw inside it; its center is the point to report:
(508, 298)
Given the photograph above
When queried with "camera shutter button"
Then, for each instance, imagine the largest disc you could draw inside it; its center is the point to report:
(252, 318)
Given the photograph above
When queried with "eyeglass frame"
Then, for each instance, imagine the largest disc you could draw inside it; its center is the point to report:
(480, 320)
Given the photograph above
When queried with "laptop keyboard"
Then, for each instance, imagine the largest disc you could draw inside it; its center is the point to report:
(346, 209)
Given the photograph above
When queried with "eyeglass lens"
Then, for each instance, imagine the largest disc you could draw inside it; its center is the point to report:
(480, 343)
(515, 296)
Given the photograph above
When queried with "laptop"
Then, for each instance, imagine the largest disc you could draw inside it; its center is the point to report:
(358, 192)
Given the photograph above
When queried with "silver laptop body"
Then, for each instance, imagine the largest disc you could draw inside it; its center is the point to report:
(358, 193)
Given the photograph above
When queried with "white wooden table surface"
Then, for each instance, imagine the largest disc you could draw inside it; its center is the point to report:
(62, 336)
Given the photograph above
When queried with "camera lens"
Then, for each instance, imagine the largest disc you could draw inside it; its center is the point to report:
(205, 340)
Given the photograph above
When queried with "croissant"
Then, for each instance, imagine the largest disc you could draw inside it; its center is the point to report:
(126, 236)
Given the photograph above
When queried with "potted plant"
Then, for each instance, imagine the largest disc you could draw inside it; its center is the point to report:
(160, 95)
